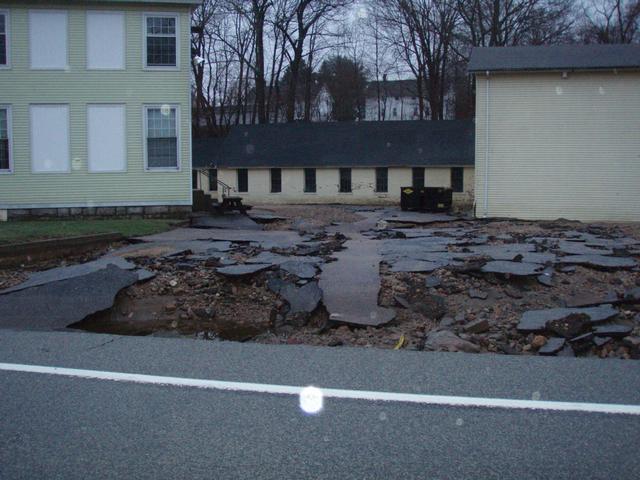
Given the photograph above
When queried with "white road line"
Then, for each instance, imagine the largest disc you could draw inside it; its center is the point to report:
(444, 400)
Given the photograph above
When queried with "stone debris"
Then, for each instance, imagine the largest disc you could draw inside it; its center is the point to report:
(477, 326)
(476, 293)
(445, 340)
(415, 266)
(612, 330)
(432, 281)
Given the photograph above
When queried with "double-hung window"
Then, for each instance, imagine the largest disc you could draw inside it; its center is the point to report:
(48, 39)
(345, 180)
(457, 179)
(310, 180)
(4, 39)
(382, 179)
(417, 177)
(161, 40)
(276, 180)
(5, 139)
(162, 137)
(243, 180)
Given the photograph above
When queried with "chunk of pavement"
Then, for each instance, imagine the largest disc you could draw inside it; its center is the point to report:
(579, 248)
(63, 273)
(233, 221)
(243, 270)
(614, 330)
(431, 306)
(536, 320)
(587, 299)
(552, 347)
(631, 296)
(432, 281)
(277, 259)
(300, 269)
(144, 275)
(600, 261)
(415, 266)
(568, 269)
(56, 305)
(477, 326)
(600, 341)
(445, 340)
(570, 326)
(303, 299)
(403, 302)
(566, 351)
(512, 268)
(264, 216)
(476, 293)
(546, 277)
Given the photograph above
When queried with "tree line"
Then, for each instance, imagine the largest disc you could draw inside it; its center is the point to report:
(267, 61)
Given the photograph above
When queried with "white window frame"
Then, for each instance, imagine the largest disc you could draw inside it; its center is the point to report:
(66, 67)
(126, 160)
(124, 41)
(31, 138)
(145, 123)
(144, 40)
(10, 136)
(7, 28)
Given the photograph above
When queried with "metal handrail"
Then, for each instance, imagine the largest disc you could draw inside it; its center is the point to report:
(226, 189)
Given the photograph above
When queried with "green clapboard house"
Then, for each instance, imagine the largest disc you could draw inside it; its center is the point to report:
(95, 107)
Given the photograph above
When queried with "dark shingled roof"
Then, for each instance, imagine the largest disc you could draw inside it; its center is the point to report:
(341, 144)
(554, 57)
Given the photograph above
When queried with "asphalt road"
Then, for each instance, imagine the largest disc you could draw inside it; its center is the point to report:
(65, 427)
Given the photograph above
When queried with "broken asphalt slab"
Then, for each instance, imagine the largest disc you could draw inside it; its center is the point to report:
(244, 270)
(537, 320)
(518, 269)
(61, 303)
(73, 271)
(352, 283)
(419, 218)
(227, 221)
(600, 261)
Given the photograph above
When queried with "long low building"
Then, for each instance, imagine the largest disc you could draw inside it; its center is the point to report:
(358, 163)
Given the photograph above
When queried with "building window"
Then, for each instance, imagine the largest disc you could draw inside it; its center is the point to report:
(213, 179)
(395, 112)
(457, 179)
(194, 179)
(48, 34)
(243, 180)
(310, 180)
(276, 180)
(4, 39)
(417, 177)
(345, 180)
(162, 137)
(49, 138)
(382, 179)
(5, 139)
(161, 40)
(105, 40)
(106, 138)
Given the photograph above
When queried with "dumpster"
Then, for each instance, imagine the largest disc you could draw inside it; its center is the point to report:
(437, 199)
(411, 198)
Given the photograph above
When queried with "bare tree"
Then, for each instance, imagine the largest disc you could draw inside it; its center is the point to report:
(611, 21)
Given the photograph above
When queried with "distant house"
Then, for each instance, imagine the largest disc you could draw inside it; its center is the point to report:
(95, 114)
(339, 162)
(558, 132)
(394, 100)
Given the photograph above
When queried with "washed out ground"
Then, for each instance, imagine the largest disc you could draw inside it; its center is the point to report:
(444, 283)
